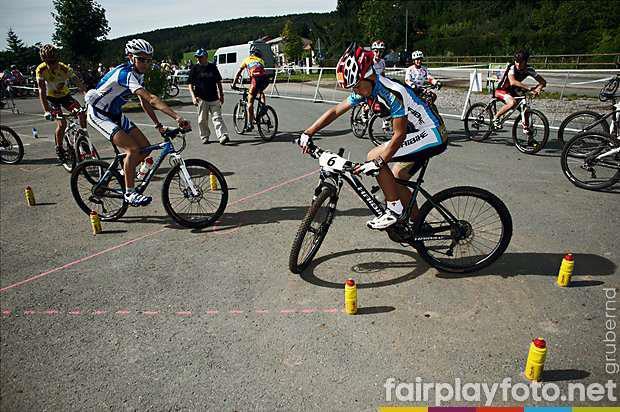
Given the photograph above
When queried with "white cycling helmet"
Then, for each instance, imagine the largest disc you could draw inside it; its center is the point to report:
(417, 55)
(378, 45)
(135, 46)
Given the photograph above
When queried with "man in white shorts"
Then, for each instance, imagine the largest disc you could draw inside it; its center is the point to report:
(105, 113)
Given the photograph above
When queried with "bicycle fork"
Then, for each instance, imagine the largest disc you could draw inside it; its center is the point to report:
(185, 174)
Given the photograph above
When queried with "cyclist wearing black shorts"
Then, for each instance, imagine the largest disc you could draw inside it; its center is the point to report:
(53, 81)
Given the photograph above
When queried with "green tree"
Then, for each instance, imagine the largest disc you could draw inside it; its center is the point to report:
(293, 45)
(16, 53)
(80, 24)
(13, 42)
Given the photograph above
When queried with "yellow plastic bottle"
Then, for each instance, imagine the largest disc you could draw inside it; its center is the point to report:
(566, 270)
(95, 222)
(29, 196)
(213, 181)
(350, 297)
(536, 359)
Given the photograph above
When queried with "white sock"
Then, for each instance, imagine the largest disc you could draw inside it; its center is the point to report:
(395, 207)
(128, 190)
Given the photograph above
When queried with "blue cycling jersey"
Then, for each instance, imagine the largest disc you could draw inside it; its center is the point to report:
(114, 89)
(401, 101)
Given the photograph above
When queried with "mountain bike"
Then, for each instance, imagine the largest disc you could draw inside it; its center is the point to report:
(194, 192)
(530, 130)
(77, 145)
(265, 116)
(381, 131)
(460, 229)
(588, 120)
(11, 147)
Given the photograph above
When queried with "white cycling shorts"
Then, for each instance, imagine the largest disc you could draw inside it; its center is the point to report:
(107, 125)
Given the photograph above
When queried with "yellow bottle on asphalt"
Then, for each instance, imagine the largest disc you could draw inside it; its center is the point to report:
(350, 297)
(566, 270)
(536, 359)
(29, 196)
(95, 222)
(213, 181)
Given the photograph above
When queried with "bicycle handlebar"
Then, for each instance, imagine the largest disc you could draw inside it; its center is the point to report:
(172, 133)
(73, 113)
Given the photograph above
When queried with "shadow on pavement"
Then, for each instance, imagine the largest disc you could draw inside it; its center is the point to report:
(373, 310)
(543, 264)
(273, 215)
(410, 260)
(564, 375)
(46, 161)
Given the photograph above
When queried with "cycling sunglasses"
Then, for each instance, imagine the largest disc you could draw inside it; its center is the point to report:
(144, 59)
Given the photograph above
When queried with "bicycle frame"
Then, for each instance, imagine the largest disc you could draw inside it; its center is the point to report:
(167, 148)
(614, 130)
(522, 107)
(336, 179)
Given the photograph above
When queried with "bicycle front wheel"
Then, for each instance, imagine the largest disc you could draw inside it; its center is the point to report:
(173, 90)
(267, 123)
(577, 122)
(240, 118)
(85, 150)
(380, 130)
(478, 121)
(581, 166)
(92, 192)
(11, 147)
(358, 124)
(200, 209)
(68, 161)
(479, 235)
(312, 231)
(530, 136)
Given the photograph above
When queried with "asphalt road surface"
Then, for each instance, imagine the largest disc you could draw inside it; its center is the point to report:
(152, 316)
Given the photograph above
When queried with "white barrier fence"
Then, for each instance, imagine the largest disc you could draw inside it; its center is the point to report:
(318, 84)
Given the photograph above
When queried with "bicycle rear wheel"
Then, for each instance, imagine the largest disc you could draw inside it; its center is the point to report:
(267, 122)
(11, 147)
(478, 121)
(358, 124)
(480, 236)
(187, 209)
(577, 122)
(581, 167)
(240, 117)
(312, 230)
(108, 198)
(530, 138)
(380, 130)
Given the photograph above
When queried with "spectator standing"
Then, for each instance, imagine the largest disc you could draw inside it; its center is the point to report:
(205, 86)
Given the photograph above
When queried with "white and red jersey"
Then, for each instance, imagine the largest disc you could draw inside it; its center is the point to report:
(418, 76)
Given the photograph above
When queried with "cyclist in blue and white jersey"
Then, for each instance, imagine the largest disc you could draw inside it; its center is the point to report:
(419, 132)
(105, 111)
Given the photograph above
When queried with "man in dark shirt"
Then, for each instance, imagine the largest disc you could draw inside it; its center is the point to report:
(205, 86)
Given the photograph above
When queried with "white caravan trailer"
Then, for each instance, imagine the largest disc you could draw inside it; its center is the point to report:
(229, 58)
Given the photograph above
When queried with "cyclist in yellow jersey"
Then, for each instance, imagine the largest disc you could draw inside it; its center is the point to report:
(255, 65)
(52, 79)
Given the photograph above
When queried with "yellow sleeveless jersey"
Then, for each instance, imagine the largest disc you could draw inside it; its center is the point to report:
(56, 81)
